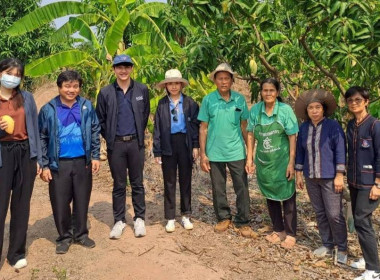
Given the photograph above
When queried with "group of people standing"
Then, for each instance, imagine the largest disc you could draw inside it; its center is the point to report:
(62, 145)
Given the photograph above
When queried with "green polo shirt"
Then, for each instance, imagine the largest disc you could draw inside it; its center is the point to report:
(284, 113)
(225, 141)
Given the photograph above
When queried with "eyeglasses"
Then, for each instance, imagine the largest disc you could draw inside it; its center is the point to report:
(175, 114)
(357, 101)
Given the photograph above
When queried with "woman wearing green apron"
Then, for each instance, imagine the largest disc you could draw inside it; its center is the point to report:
(273, 125)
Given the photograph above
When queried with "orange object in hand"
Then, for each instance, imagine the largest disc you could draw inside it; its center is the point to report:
(11, 124)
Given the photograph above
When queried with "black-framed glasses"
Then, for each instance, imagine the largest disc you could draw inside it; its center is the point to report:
(355, 100)
(174, 114)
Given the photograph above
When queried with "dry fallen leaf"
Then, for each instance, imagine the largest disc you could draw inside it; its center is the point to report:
(320, 263)
(265, 229)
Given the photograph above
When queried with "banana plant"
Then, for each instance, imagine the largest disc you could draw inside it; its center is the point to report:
(101, 26)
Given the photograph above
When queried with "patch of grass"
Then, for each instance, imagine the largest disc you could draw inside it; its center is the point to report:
(61, 274)
(34, 273)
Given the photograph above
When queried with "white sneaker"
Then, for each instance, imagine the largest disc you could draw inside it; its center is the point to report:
(322, 252)
(117, 230)
(341, 257)
(359, 264)
(139, 228)
(170, 226)
(369, 275)
(185, 222)
(21, 263)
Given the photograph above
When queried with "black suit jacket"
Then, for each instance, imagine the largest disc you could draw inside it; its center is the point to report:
(162, 126)
(107, 109)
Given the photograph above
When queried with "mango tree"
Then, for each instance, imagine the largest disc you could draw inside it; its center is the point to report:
(305, 44)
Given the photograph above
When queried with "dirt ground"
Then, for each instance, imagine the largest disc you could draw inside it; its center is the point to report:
(196, 254)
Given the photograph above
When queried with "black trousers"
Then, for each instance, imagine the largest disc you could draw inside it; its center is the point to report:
(180, 158)
(71, 183)
(362, 208)
(17, 177)
(240, 183)
(127, 156)
(286, 221)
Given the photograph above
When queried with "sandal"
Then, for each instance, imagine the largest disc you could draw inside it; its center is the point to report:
(289, 242)
(276, 237)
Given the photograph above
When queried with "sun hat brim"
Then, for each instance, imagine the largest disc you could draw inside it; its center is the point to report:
(314, 95)
(162, 84)
(213, 73)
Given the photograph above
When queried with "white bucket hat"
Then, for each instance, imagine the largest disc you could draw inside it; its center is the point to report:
(172, 76)
(223, 67)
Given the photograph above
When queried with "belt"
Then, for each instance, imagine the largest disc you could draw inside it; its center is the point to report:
(13, 142)
(126, 138)
(74, 158)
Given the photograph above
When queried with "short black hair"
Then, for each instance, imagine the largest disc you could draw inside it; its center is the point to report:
(357, 89)
(69, 76)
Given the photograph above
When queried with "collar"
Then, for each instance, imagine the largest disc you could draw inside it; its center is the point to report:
(117, 87)
(363, 120)
(10, 98)
(318, 124)
(275, 109)
(180, 99)
(232, 96)
(60, 104)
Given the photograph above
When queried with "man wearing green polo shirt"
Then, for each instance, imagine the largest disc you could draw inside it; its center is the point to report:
(223, 117)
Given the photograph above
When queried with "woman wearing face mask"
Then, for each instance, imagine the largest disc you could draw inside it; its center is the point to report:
(176, 145)
(273, 124)
(20, 155)
(321, 156)
(363, 175)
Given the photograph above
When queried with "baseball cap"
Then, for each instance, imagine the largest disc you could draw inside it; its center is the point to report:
(122, 59)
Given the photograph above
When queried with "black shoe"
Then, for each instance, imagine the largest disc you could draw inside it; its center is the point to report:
(86, 242)
(62, 247)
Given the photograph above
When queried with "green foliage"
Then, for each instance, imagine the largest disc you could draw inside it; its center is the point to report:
(26, 47)
(102, 27)
(303, 43)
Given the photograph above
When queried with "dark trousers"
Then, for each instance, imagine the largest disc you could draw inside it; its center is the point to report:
(286, 221)
(240, 184)
(71, 183)
(127, 156)
(180, 158)
(362, 208)
(328, 209)
(17, 177)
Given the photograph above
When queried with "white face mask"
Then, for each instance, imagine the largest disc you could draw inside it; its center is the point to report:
(9, 81)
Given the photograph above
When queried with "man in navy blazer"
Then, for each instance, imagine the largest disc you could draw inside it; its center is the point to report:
(123, 110)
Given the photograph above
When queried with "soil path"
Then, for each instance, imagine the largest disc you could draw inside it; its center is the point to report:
(154, 257)
(196, 254)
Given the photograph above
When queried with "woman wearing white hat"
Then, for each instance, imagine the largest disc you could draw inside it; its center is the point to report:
(176, 144)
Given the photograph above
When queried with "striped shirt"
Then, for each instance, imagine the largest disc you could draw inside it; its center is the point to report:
(321, 149)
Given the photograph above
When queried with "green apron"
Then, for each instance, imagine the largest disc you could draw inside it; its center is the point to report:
(272, 158)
